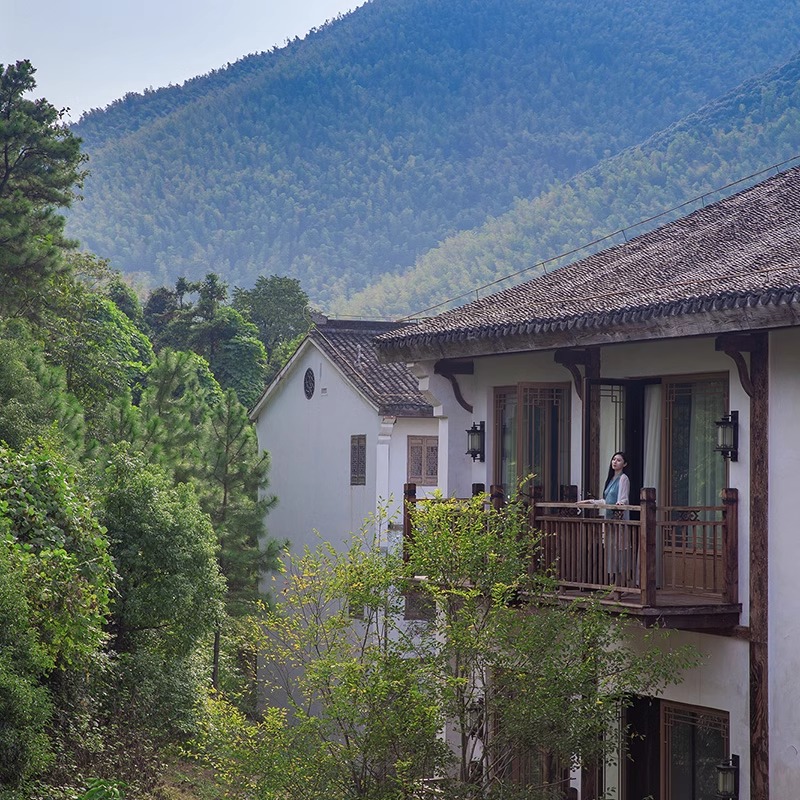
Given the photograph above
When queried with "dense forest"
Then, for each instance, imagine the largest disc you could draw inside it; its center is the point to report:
(132, 491)
(349, 154)
(672, 173)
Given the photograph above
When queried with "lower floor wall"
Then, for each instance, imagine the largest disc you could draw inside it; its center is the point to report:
(676, 740)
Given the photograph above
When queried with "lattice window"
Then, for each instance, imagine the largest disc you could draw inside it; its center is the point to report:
(358, 460)
(423, 460)
(695, 473)
(532, 437)
(694, 741)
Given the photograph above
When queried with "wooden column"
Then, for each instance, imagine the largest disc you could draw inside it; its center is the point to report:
(759, 568)
(409, 500)
(730, 546)
(647, 546)
(591, 448)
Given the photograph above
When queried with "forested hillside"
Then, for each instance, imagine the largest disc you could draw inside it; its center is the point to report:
(132, 490)
(748, 130)
(347, 155)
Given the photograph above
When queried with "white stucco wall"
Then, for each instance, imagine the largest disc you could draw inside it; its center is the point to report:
(309, 446)
(784, 564)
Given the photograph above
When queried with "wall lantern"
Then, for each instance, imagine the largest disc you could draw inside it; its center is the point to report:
(728, 436)
(728, 779)
(476, 441)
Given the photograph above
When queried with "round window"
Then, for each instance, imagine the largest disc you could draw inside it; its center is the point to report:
(308, 383)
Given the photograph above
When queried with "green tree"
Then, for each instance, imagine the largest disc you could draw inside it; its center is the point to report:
(361, 707)
(547, 679)
(56, 578)
(213, 330)
(33, 393)
(40, 168)
(232, 486)
(102, 351)
(168, 599)
(278, 307)
(508, 671)
(71, 570)
(25, 706)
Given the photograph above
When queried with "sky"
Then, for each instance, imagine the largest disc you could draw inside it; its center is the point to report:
(88, 53)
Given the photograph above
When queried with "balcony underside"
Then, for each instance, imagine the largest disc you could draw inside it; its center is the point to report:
(672, 609)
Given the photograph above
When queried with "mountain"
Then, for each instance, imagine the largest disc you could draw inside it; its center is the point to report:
(735, 140)
(347, 155)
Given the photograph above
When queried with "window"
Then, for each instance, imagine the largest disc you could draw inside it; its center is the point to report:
(423, 460)
(694, 473)
(695, 740)
(532, 437)
(358, 460)
(672, 750)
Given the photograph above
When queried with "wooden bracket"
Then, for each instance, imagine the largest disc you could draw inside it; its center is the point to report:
(733, 345)
(571, 359)
(449, 369)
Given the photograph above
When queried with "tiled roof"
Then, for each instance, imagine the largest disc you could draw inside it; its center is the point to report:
(729, 259)
(391, 387)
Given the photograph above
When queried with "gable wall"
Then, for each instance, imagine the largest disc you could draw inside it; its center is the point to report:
(309, 444)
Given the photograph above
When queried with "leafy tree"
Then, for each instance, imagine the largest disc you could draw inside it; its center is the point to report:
(126, 300)
(33, 394)
(278, 307)
(548, 679)
(235, 355)
(56, 578)
(102, 351)
(507, 671)
(25, 706)
(232, 483)
(67, 553)
(40, 167)
(213, 330)
(362, 712)
(168, 597)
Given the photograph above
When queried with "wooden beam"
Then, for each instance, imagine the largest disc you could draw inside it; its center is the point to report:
(572, 358)
(759, 569)
(449, 368)
(733, 345)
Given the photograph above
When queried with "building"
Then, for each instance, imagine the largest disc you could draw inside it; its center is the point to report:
(344, 433)
(654, 347)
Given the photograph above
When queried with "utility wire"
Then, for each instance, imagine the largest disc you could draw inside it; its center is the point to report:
(567, 253)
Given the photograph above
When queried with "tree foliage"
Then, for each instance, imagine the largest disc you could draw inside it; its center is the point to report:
(40, 168)
(507, 672)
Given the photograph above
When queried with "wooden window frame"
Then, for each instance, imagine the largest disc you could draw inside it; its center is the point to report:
(358, 459)
(519, 390)
(424, 478)
(665, 490)
(668, 709)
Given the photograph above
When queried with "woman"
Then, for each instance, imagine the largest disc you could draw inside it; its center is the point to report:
(617, 490)
(621, 563)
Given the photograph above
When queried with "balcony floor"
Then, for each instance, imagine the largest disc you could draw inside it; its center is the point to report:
(673, 609)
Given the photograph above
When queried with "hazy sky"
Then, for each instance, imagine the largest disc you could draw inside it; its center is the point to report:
(88, 53)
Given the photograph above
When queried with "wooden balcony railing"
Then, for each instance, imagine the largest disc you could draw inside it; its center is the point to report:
(651, 556)
(643, 550)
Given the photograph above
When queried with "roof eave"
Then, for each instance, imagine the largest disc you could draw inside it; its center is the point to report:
(655, 323)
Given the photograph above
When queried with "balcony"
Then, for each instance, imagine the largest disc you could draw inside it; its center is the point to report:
(675, 567)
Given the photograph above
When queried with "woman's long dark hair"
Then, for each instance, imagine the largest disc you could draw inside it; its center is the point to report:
(611, 469)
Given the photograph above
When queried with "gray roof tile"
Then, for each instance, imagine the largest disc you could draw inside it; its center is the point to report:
(391, 387)
(739, 252)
